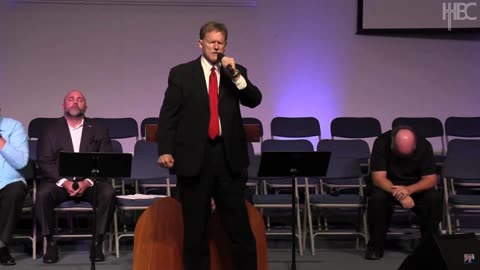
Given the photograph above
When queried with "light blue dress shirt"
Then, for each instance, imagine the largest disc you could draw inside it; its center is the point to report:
(14, 154)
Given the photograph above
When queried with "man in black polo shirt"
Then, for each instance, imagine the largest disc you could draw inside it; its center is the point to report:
(403, 173)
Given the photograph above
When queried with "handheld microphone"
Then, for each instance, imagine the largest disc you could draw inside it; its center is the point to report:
(75, 185)
(229, 67)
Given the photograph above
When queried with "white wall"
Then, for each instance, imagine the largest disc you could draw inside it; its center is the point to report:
(304, 55)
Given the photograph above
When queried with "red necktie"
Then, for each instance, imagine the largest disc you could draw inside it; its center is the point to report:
(213, 126)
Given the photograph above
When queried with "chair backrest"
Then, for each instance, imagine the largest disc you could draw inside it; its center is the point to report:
(147, 150)
(35, 130)
(117, 146)
(147, 121)
(36, 126)
(427, 127)
(144, 162)
(462, 168)
(295, 127)
(120, 128)
(253, 129)
(343, 168)
(355, 127)
(151, 133)
(466, 127)
(349, 159)
(468, 148)
(346, 149)
(463, 159)
(32, 149)
(287, 146)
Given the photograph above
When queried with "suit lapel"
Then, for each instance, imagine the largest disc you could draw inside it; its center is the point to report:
(68, 139)
(199, 79)
(86, 135)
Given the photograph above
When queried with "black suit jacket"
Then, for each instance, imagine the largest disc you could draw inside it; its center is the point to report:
(184, 118)
(56, 138)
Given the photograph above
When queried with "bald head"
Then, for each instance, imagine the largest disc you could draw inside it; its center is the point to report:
(74, 93)
(404, 142)
(74, 104)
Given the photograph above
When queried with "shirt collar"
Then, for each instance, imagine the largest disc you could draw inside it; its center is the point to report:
(207, 66)
(79, 126)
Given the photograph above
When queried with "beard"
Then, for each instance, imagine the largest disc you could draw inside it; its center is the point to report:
(75, 112)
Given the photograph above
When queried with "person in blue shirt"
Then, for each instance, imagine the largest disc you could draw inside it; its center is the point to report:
(13, 188)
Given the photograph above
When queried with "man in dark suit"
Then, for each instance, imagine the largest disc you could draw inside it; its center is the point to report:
(201, 139)
(71, 133)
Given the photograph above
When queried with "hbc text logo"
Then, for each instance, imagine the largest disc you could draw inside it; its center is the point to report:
(457, 11)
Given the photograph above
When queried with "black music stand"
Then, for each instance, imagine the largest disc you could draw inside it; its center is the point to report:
(293, 164)
(93, 165)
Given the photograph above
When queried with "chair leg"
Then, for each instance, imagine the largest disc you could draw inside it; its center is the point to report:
(115, 228)
(449, 222)
(299, 230)
(319, 223)
(310, 226)
(305, 229)
(34, 240)
(457, 221)
(365, 227)
(168, 188)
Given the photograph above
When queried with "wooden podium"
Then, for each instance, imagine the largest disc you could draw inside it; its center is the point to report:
(158, 242)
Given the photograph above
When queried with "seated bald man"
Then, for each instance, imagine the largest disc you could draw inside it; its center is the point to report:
(403, 173)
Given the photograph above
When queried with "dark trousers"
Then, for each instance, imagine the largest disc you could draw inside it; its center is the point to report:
(228, 191)
(428, 208)
(50, 195)
(12, 197)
